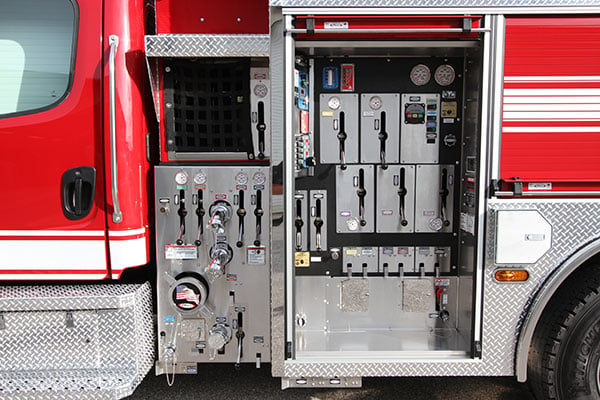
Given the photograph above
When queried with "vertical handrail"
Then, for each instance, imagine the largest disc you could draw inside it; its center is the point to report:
(113, 42)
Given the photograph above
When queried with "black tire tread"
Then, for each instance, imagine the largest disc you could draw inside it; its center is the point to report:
(553, 328)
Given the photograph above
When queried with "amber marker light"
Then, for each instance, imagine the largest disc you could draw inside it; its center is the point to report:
(511, 275)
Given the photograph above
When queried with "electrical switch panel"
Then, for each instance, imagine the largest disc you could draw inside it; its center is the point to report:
(432, 260)
(396, 260)
(420, 128)
(360, 260)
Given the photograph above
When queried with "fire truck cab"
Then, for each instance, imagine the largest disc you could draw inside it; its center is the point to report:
(340, 189)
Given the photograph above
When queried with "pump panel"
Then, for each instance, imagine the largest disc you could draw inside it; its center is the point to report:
(395, 198)
(434, 198)
(339, 128)
(355, 197)
(379, 125)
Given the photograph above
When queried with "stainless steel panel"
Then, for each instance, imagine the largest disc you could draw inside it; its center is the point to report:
(260, 92)
(398, 259)
(373, 108)
(429, 257)
(207, 45)
(390, 193)
(429, 213)
(315, 197)
(420, 141)
(360, 260)
(244, 287)
(301, 232)
(347, 201)
(331, 106)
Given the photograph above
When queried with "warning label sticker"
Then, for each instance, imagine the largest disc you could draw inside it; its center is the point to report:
(256, 256)
(173, 252)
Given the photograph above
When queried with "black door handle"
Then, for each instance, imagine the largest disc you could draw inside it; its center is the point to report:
(78, 188)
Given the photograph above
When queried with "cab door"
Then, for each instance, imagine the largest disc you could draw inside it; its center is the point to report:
(52, 221)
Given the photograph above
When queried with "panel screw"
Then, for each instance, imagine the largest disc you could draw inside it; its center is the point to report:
(167, 69)
(202, 19)
(239, 19)
(169, 105)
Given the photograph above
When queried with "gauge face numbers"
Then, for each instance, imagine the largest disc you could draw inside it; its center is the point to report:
(420, 75)
(444, 75)
(334, 103)
(261, 90)
(181, 178)
(259, 178)
(200, 178)
(241, 178)
(375, 103)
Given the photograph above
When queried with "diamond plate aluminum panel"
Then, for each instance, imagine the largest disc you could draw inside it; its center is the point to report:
(76, 341)
(68, 297)
(207, 46)
(574, 224)
(432, 3)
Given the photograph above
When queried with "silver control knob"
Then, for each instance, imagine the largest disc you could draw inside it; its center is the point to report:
(220, 213)
(218, 336)
(221, 255)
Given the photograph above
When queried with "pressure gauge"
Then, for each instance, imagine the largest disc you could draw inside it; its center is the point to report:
(241, 178)
(375, 103)
(352, 224)
(181, 178)
(444, 75)
(420, 74)
(200, 178)
(436, 224)
(259, 178)
(261, 90)
(334, 103)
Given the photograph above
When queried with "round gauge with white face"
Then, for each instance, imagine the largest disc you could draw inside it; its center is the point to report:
(181, 178)
(375, 103)
(241, 178)
(334, 103)
(352, 224)
(200, 178)
(261, 90)
(444, 75)
(259, 178)
(420, 74)
(436, 224)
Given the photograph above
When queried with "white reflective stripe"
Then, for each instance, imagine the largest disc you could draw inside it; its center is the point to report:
(550, 129)
(65, 276)
(127, 253)
(130, 232)
(551, 100)
(567, 115)
(552, 107)
(591, 78)
(53, 254)
(51, 233)
(552, 92)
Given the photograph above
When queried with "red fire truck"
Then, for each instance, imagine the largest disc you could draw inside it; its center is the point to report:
(338, 188)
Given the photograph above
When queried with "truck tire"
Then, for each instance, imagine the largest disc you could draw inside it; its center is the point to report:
(564, 357)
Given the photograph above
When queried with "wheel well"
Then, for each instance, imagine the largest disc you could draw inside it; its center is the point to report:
(569, 269)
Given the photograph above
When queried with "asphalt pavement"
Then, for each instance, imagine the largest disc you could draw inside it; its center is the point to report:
(222, 382)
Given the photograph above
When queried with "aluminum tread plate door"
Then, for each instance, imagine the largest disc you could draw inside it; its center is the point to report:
(207, 46)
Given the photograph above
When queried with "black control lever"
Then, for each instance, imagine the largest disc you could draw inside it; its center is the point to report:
(361, 192)
(182, 212)
(240, 338)
(444, 196)
(402, 192)
(258, 212)
(261, 127)
(299, 223)
(342, 136)
(318, 224)
(383, 136)
(241, 212)
(200, 211)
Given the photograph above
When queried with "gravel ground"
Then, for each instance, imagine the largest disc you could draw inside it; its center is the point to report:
(222, 382)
